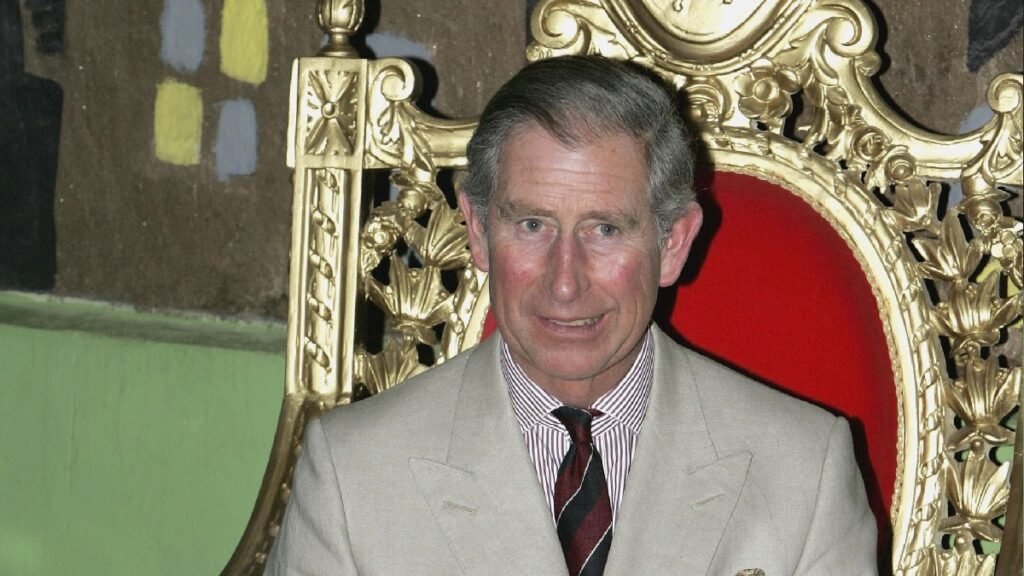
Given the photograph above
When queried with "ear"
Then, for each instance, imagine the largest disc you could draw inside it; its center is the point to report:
(677, 245)
(477, 232)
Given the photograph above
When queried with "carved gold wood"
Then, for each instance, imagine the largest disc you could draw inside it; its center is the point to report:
(946, 278)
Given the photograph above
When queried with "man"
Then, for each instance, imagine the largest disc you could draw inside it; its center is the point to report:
(580, 437)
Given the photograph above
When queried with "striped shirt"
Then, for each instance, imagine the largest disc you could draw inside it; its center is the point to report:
(614, 432)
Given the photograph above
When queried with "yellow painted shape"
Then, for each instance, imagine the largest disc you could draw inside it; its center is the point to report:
(178, 123)
(243, 40)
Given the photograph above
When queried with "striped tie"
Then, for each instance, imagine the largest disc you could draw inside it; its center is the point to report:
(583, 511)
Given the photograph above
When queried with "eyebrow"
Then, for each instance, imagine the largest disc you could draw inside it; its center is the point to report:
(512, 211)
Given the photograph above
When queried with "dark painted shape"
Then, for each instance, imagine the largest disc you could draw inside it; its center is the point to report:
(530, 5)
(991, 25)
(30, 114)
(48, 18)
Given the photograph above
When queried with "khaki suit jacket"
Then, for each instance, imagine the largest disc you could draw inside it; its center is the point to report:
(433, 478)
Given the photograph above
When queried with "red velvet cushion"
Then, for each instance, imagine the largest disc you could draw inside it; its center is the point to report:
(773, 291)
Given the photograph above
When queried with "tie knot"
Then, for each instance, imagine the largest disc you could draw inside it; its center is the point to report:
(577, 421)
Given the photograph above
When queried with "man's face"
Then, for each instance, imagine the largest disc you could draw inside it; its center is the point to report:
(572, 247)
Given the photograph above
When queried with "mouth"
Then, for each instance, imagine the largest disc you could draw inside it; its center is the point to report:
(574, 327)
(575, 323)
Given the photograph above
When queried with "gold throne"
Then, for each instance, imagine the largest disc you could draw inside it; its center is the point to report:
(380, 291)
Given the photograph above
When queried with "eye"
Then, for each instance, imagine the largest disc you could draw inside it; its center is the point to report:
(607, 230)
(531, 225)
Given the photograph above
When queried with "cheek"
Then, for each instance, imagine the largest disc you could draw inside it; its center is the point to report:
(630, 275)
(513, 270)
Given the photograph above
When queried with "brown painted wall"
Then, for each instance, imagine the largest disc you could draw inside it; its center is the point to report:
(926, 46)
(132, 228)
(135, 229)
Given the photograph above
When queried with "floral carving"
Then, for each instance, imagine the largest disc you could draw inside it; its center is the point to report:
(978, 490)
(1008, 249)
(974, 314)
(396, 363)
(982, 204)
(950, 257)
(869, 144)
(380, 234)
(415, 300)
(915, 206)
(765, 92)
(981, 399)
(901, 166)
(443, 243)
(331, 96)
(415, 194)
(965, 563)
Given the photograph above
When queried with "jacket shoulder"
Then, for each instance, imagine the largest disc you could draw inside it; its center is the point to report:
(742, 413)
(416, 409)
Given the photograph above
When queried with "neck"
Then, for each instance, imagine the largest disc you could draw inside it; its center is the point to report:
(577, 394)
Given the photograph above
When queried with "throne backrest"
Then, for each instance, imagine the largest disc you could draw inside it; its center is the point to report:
(380, 291)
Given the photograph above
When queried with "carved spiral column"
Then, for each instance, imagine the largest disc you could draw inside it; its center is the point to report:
(326, 151)
(349, 115)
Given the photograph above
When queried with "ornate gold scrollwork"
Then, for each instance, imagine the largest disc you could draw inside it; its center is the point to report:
(330, 106)
(415, 300)
(978, 490)
(576, 27)
(1000, 160)
(957, 387)
(957, 564)
(398, 361)
(709, 103)
(766, 92)
(392, 129)
(944, 276)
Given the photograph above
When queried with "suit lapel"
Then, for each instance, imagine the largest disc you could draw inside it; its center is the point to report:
(486, 497)
(680, 492)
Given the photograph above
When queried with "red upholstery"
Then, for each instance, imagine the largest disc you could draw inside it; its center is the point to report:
(772, 290)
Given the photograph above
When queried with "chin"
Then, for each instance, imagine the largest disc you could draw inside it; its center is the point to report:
(558, 369)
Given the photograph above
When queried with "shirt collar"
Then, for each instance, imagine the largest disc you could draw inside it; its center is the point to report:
(625, 403)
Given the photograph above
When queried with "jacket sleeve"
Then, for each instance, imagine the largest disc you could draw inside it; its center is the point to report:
(842, 536)
(313, 539)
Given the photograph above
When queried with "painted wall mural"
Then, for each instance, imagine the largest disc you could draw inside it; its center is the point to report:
(991, 25)
(167, 113)
(178, 113)
(30, 117)
(178, 123)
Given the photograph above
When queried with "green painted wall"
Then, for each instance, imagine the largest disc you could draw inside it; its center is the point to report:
(126, 454)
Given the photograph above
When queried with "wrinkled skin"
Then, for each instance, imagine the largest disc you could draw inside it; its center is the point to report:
(572, 247)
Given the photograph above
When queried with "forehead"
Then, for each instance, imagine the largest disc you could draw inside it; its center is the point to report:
(604, 168)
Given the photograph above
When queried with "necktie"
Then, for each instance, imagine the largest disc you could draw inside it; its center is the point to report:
(583, 511)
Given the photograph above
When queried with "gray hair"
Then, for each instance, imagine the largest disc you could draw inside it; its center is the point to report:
(578, 99)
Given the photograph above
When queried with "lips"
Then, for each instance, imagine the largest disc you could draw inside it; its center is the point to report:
(580, 322)
(574, 328)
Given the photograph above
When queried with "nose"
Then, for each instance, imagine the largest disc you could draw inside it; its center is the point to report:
(566, 276)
